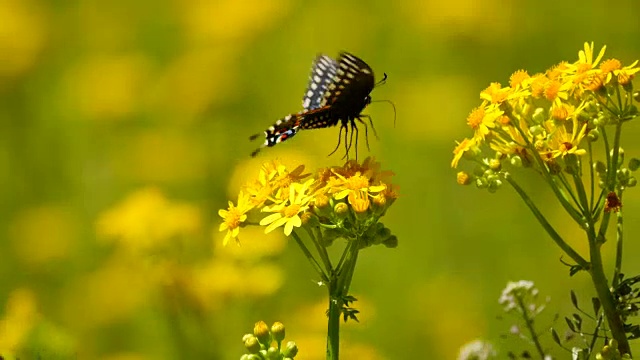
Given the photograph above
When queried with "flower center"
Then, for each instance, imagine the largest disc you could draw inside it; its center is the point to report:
(233, 218)
(291, 210)
(475, 118)
(358, 182)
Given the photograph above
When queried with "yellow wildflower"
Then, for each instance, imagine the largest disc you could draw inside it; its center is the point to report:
(287, 212)
(234, 216)
(563, 143)
(482, 120)
(586, 61)
(462, 147)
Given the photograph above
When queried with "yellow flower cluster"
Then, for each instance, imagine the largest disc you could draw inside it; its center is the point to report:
(293, 197)
(548, 113)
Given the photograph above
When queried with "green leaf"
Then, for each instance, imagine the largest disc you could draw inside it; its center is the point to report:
(574, 300)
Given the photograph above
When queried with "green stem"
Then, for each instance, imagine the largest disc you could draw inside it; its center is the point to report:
(612, 170)
(545, 224)
(529, 322)
(595, 333)
(575, 214)
(338, 289)
(310, 257)
(333, 329)
(619, 241)
(606, 298)
(322, 251)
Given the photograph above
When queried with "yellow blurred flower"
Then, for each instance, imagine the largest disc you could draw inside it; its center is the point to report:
(146, 219)
(20, 317)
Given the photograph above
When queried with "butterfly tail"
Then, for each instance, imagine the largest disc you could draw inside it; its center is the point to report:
(282, 130)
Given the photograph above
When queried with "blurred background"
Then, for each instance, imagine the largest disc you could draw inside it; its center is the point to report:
(124, 127)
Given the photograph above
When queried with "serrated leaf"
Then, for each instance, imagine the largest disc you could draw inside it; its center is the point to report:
(555, 336)
(570, 324)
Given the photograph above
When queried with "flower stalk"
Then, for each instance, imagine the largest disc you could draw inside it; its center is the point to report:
(550, 123)
(339, 204)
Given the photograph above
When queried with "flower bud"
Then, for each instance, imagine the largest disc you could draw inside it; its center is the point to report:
(308, 218)
(463, 178)
(277, 331)
(634, 164)
(593, 135)
(252, 344)
(538, 117)
(391, 242)
(341, 209)
(261, 331)
(516, 161)
(273, 353)
(290, 349)
(321, 200)
(495, 164)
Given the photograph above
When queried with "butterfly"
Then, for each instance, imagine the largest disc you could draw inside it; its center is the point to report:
(337, 93)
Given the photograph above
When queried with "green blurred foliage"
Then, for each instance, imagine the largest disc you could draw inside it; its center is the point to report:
(124, 126)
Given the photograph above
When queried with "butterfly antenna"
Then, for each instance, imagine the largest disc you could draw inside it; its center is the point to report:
(394, 109)
(383, 81)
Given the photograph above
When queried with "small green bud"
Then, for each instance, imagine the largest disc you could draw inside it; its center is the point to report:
(277, 331)
(391, 242)
(632, 182)
(290, 349)
(636, 96)
(593, 135)
(600, 167)
(536, 130)
(252, 344)
(600, 120)
(516, 161)
(482, 183)
(261, 331)
(538, 117)
(634, 164)
(495, 185)
(495, 164)
(273, 353)
(341, 209)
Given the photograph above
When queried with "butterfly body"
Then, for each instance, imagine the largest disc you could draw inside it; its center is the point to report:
(337, 93)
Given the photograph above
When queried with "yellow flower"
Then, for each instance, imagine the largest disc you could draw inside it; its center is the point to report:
(288, 212)
(234, 216)
(627, 73)
(518, 78)
(341, 186)
(462, 147)
(586, 61)
(482, 120)
(563, 143)
(359, 201)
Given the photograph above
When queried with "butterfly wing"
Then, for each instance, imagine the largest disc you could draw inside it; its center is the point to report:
(323, 72)
(349, 91)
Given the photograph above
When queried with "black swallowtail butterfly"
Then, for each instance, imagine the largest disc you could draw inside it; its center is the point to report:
(337, 93)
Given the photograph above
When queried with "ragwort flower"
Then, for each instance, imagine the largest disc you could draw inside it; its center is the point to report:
(234, 216)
